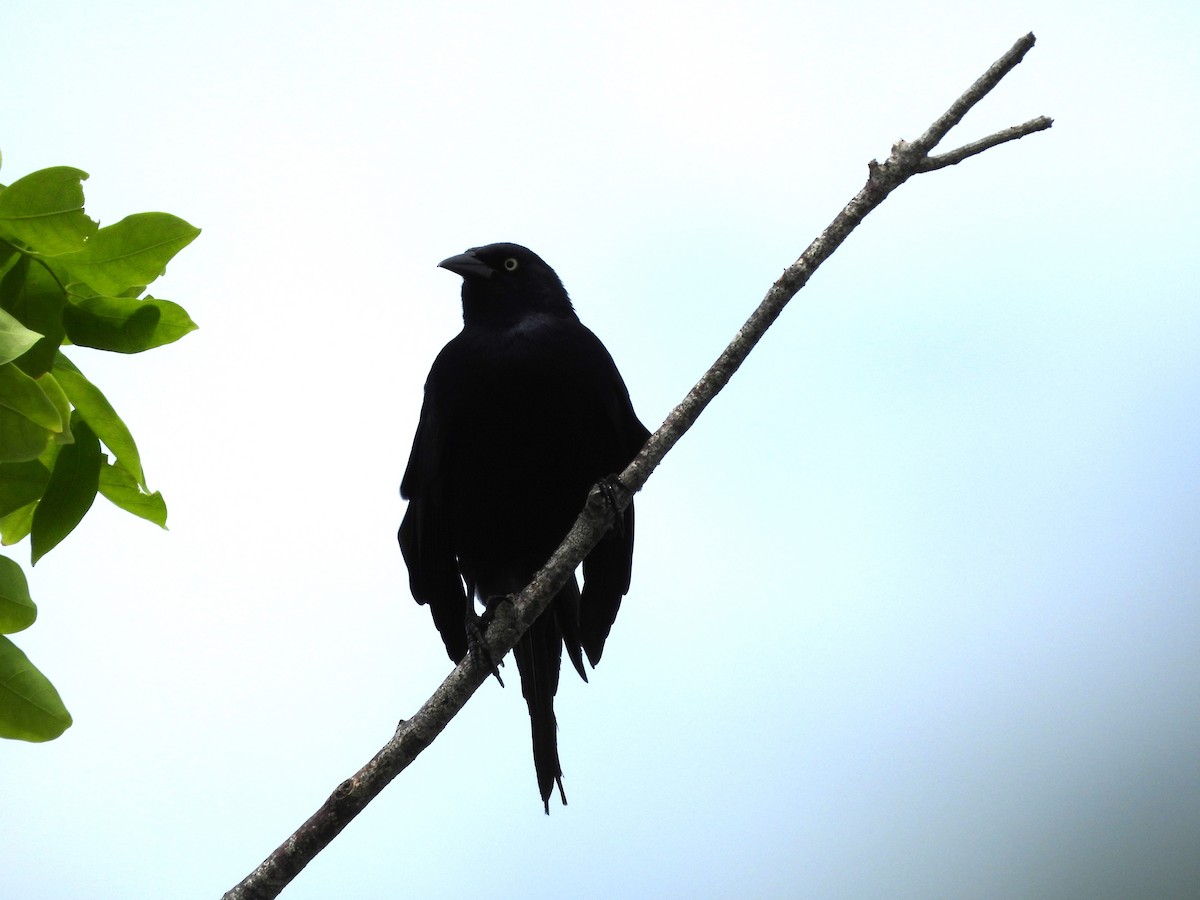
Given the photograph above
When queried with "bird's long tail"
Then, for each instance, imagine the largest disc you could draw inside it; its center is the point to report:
(539, 657)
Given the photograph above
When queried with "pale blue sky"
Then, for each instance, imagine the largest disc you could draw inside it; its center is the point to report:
(916, 606)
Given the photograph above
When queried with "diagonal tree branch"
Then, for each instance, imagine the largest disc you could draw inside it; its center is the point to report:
(972, 95)
(415, 734)
(931, 163)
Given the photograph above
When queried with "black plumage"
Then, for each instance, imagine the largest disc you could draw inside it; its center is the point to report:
(524, 411)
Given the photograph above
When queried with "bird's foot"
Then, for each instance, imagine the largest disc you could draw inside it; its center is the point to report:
(611, 489)
(477, 644)
(491, 605)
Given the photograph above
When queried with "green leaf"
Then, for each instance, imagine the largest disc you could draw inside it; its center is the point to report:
(20, 439)
(125, 324)
(30, 708)
(44, 211)
(32, 411)
(56, 395)
(95, 409)
(132, 252)
(15, 338)
(122, 489)
(70, 491)
(17, 609)
(23, 395)
(21, 483)
(8, 253)
(16, 525)
(30, 293)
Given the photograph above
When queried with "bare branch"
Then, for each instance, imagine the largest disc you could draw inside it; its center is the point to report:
(414, 735)
(976, 92)
(931, 163)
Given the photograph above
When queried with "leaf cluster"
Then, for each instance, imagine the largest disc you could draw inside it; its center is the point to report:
(65, 280)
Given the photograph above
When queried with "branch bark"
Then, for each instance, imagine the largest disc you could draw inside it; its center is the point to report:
(415, 734)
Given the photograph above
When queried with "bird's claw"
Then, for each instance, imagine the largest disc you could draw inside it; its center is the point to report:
(491, 604)
(477, 645)
(609, 487)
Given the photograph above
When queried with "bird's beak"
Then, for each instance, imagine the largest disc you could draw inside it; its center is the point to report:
(467, 265)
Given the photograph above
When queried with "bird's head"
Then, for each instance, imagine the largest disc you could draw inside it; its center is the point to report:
(505, 283)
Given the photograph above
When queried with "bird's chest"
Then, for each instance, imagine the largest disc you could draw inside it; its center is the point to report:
(519, 392)
(509, 427)
(511, 443)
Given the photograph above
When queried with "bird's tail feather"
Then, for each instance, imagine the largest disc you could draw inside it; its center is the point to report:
(565, 607)
(539, 655)
(606, 574)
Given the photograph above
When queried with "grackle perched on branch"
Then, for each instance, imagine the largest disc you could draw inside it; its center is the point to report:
(524, 411)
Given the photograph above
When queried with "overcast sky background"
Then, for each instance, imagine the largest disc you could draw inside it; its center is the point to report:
(916, 605)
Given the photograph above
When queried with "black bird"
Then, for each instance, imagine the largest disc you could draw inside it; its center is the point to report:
(524, 411)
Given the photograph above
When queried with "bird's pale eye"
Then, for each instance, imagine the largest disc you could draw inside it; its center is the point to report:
(510, 265)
